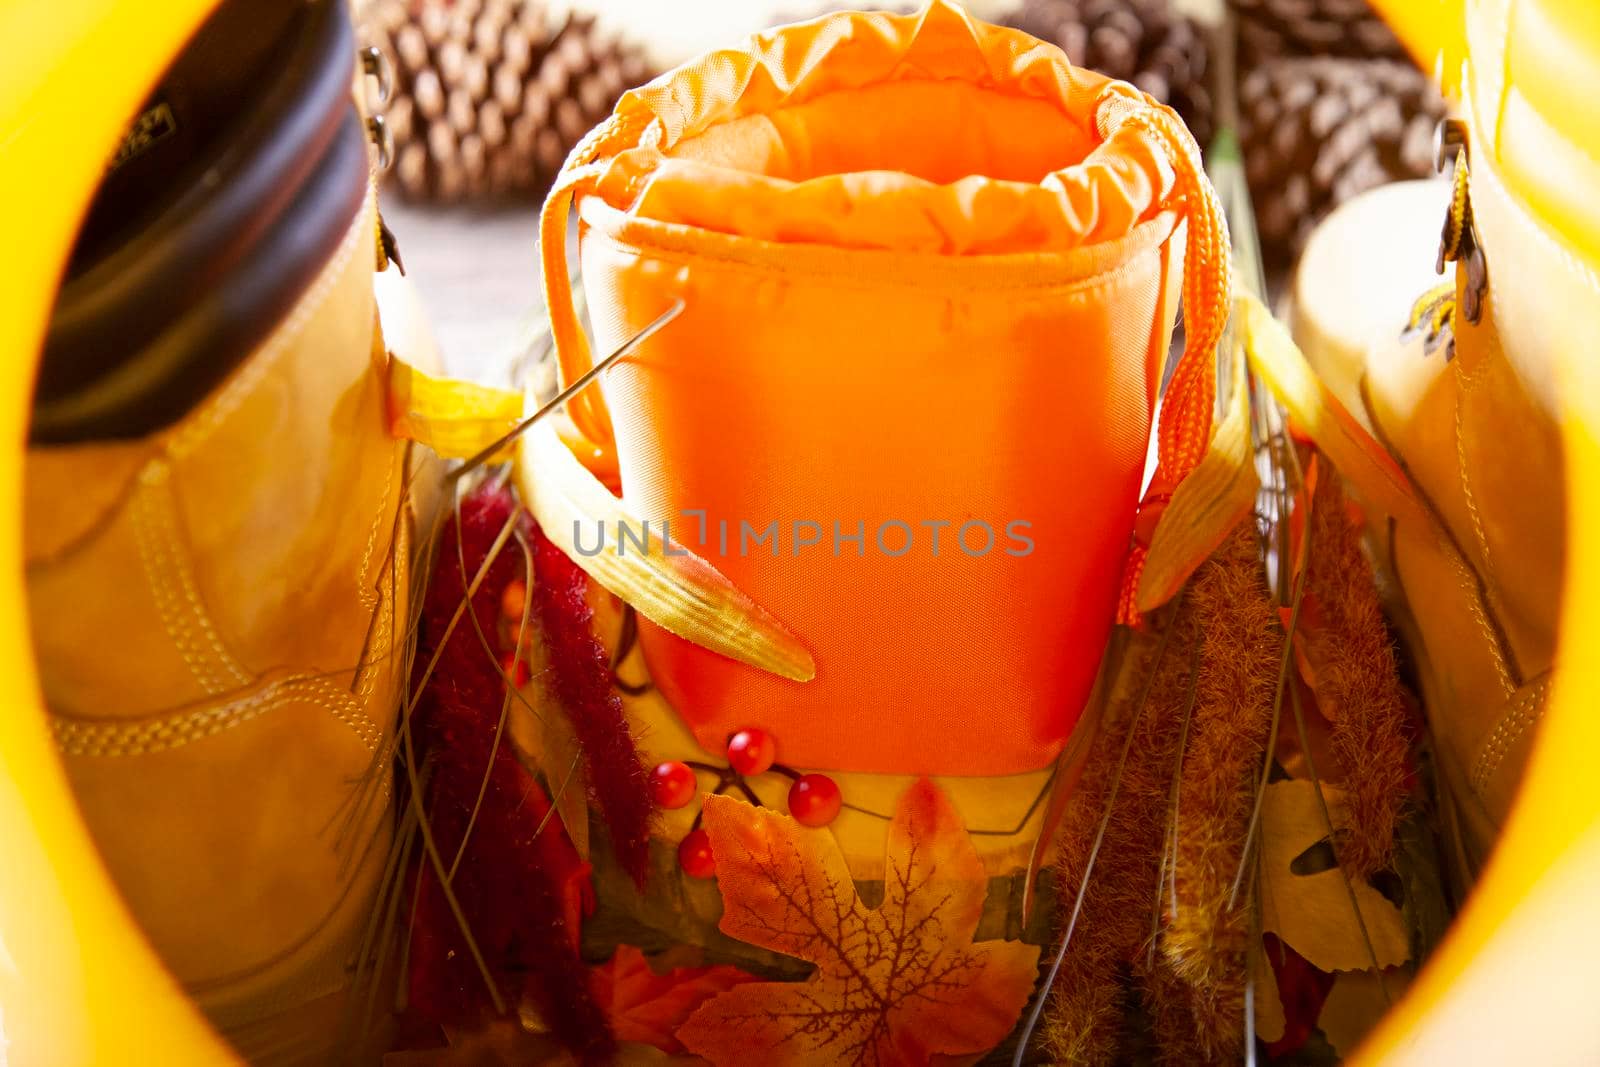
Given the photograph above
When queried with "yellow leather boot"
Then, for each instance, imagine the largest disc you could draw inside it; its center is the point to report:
(219, 596)
(1468, 409)
(1481, 618)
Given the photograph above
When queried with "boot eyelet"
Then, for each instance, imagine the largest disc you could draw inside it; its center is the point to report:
(375, 63)
(383, 138)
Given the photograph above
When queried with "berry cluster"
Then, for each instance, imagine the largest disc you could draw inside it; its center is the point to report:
(814, 799)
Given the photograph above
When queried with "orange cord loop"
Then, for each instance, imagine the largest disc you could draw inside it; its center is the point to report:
(1187, 409)
(584, 164)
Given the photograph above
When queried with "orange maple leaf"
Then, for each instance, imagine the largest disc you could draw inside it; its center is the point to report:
(647, 1007)
(894, 985)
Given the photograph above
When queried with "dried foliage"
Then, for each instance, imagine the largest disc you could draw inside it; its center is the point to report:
(1173, 906)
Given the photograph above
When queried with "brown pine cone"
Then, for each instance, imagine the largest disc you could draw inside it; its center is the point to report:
(1269, 28)
(1146, 42)
(1316, 131)
(491, 95)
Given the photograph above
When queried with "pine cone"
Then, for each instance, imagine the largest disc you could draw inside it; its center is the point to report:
(1269, 28)
(491, 95)
(1316, 131)
(1146, 42)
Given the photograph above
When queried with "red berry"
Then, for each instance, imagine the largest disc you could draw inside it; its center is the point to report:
(514, 600)
(694, 855)
(751, 751)
(672, 784)
(814, 800)
(515, 668)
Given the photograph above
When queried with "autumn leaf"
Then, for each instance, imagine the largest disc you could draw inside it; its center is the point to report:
(1356, 1003)
(898, 984)
(1269, 1018)
(1289, 994)
(1308, 903)
(647, 1007)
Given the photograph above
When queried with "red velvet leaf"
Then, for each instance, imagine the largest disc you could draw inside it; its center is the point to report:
(580, 677)
(521, 889)
(1301, 989)
(647, 1007)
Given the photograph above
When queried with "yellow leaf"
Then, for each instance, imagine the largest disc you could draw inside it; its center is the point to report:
(1270, 1021)
(1355, 1004)
(1312, 911)
(675, 589)
(1207, 505)
(898, 984)
(457, 419)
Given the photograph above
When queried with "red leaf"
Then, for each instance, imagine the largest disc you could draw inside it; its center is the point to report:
(648, 1007)
(1301, 989)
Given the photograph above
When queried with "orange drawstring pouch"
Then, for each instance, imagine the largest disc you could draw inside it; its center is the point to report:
(930, 272)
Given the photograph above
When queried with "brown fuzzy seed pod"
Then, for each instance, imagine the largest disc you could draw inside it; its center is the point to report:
(1204, 939)
(1358, 683)
(1187, 1018)
(1084, 1018)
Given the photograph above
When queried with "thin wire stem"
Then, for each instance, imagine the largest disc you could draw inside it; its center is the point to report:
(1022, 821)
(376, 930)
(1253, 947)
(626, 348)
(557, 793)
(514, 693)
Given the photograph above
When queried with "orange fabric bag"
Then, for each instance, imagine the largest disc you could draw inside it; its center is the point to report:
(930, 273)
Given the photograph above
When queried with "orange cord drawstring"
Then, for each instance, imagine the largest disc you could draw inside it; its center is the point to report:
(1187, 409)
(583, 165)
